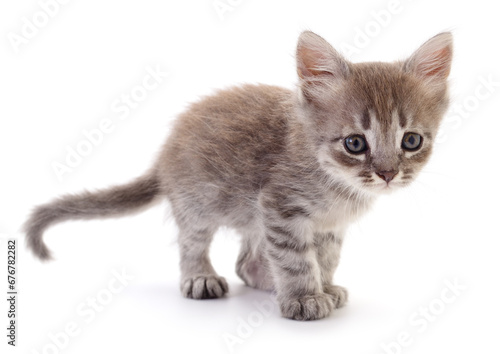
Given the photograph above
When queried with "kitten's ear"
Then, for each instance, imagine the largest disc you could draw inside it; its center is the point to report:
(432, 61)
(317, 61)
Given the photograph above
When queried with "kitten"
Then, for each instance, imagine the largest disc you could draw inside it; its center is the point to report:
(289, 170)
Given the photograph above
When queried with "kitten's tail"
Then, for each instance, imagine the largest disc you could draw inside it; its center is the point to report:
(114, 201)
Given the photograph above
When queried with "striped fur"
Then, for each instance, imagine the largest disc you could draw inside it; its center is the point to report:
(272, 163)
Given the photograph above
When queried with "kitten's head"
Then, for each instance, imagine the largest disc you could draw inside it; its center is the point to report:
(373, 124)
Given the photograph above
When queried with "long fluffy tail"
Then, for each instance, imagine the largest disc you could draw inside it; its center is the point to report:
(115, 201)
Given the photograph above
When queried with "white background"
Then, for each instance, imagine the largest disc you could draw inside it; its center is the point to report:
(396, 261)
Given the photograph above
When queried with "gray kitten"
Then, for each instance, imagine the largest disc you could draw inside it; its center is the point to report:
(290, 170)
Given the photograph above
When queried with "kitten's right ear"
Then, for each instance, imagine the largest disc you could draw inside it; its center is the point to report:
(318, 62)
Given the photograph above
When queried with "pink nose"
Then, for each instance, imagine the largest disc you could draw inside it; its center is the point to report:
(387, 175)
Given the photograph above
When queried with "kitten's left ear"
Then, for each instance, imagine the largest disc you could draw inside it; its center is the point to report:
(432, 61)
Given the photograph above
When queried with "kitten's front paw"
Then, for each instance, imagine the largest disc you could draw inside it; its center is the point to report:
(306, 308)
(339, 294)
(204, 287)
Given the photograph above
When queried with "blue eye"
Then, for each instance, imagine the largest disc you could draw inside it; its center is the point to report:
(411, 141)
(355, 144)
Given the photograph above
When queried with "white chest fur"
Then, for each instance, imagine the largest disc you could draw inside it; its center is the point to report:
(340, 214)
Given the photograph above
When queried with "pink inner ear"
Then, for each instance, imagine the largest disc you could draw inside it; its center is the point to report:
(309, 63)
(438, 64)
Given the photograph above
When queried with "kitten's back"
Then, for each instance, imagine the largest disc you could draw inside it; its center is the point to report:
(230, 139)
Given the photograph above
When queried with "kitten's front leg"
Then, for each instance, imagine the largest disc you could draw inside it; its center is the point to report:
(328, 246)
(297, 276)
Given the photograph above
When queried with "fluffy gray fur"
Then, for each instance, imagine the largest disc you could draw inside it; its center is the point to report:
(274, 165)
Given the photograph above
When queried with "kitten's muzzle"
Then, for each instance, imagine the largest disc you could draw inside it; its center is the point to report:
(387, 175)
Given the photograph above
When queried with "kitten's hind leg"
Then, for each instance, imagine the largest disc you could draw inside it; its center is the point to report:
(252, 266)
(198, 277)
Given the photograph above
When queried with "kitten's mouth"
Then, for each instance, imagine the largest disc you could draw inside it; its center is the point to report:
(385, 188)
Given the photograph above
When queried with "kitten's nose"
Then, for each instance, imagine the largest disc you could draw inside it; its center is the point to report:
(387, 175)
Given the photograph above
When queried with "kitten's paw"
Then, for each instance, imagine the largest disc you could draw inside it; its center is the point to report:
(204, 287)
(306, 308)
(339, 294)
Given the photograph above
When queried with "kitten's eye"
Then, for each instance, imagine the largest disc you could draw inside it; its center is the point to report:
(411, 141)
(355, 144)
